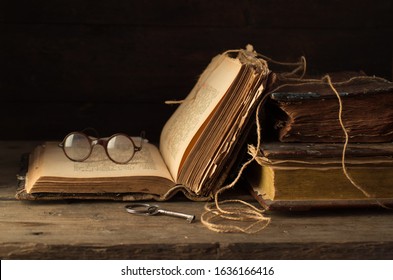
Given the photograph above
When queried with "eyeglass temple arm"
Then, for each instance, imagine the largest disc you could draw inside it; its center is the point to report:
(92, 130)
(142, 136)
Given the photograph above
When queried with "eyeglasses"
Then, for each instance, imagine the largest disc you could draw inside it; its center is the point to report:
(120, 148)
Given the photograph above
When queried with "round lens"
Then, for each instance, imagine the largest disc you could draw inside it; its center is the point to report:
(120, 148)
(77, 146)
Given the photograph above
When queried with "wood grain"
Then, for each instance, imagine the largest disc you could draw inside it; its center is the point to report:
(103, 230)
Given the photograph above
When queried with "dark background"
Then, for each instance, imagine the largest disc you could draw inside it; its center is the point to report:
(66, 65)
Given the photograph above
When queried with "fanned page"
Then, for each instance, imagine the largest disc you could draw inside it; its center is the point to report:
(188, 120)
(211, 156)
(49, 161)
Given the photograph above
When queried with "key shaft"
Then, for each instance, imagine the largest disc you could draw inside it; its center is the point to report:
(190, 218)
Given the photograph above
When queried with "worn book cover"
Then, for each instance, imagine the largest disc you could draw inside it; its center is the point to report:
(307, 111)
(310, 175)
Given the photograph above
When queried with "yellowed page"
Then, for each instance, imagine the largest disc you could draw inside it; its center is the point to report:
(185, 123)
(53, 162)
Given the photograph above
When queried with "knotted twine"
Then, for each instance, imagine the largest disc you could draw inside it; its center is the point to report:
(243, 216)
(246, 212)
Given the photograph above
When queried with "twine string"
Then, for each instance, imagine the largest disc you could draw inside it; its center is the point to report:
(214, 212)
(343, 155)
(253, 217)
(243, 216)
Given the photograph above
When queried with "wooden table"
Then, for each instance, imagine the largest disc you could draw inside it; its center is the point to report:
(103, 230)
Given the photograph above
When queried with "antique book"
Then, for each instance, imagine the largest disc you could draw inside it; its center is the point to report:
(311, 175)
(308, 111)
(198, 144)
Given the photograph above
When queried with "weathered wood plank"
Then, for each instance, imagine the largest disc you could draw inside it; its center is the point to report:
(103, 230)
(59, 230)
(210, 251)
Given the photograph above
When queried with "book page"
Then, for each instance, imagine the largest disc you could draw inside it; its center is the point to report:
(190, 116)
(147, 162)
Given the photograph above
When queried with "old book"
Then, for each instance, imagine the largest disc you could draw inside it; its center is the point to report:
(308, 175)
(308, 111)
(198, 144)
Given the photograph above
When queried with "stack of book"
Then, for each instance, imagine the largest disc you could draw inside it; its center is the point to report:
(303, 161)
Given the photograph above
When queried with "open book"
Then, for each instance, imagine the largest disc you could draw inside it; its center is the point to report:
(198, 144)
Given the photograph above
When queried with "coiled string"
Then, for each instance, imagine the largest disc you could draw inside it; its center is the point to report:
(226, 215)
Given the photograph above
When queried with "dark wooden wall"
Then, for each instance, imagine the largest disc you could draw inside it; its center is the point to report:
(66, 65)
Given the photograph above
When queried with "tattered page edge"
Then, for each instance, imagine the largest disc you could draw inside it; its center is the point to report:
(21, 193)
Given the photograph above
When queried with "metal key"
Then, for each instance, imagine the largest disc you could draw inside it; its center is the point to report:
(150, 210)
